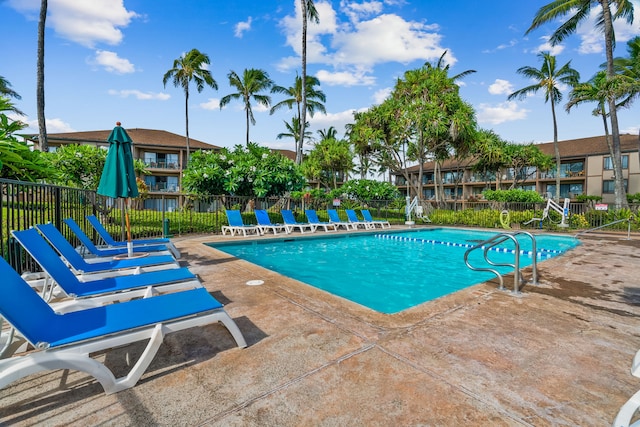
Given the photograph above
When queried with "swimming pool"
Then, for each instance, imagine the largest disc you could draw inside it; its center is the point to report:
(388, 271)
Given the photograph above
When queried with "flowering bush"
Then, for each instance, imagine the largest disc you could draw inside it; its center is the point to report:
(252, 171)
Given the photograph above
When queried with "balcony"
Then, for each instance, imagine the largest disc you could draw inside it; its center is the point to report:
(162, 165)
(163, 187)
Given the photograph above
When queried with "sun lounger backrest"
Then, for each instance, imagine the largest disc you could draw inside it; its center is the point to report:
(84, 239)
(95, 223)
(312, 216)
(263, 217)
(44, 255)
(333, 215)
(23, 307)
(234, 218)
(351, 214)
(287, 217)
(62, 245)
(366, 214)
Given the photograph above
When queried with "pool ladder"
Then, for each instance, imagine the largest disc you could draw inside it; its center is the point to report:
(488, 244)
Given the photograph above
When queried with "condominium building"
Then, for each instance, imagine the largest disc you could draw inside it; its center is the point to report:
(586, 168)
(164, 154)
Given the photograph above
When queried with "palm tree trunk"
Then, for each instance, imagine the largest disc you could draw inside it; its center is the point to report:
(620, 192)
(247, 114)
(186, 113)
(42, 125)
(303, 112)
(556, 148)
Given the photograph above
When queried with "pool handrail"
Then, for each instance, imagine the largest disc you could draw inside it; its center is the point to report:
(496, 240)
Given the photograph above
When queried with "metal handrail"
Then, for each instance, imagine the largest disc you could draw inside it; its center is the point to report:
(489, 243)
(607, 225)
(496, 240)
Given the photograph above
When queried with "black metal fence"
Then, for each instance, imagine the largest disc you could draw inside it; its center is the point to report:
(27, 204)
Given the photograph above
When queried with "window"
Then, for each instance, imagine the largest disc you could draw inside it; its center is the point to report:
(566, 190)
(609, 186)
(608, 163)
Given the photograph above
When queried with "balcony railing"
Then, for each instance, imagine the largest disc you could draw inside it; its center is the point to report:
(162, 165)
(167, 188)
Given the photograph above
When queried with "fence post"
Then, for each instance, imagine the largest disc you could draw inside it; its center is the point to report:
(57, 211)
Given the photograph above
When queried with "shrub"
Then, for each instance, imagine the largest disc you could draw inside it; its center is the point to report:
(513, 196)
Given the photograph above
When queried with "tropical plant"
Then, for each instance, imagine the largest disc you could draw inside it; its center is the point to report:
(244, 171)
(548, 78)
(309, 13)
(293, 130)
(253, 82)
(314, 102)
(190, 66)
(579, 11)
(17, 160)
(366, 190)
(7, 92)
(440, 122)
(42, 124)
(513, 196)
(329, 159)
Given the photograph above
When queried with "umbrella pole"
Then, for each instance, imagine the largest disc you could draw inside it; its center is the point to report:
(129, 241)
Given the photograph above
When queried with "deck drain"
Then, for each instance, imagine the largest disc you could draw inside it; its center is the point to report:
(255, 282)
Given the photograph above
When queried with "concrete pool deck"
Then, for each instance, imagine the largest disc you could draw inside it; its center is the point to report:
(560, 354)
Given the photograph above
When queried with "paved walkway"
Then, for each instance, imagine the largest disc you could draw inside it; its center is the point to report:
(560, 355)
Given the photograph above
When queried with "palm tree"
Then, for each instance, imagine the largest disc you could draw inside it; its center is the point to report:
(309, 13)
(190, 66)
(593, 91)
(7, 92)
(253, 82)
(293, 130)
(630, 68)
(547, 78)
(42, 125)
(579, 11)
(314, 103)
(440, 65)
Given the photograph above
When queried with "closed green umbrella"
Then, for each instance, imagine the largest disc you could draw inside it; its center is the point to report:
(118, 178)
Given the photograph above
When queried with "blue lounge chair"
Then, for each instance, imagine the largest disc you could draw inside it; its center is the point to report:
(110, 242)
(66, 341)
(312, 217)
(92, 249)
(110, 267)
(237, 225)
(334, 218)
(264, 223)
(366, 215)
(291, 223)
(102, 290)
(353, 219)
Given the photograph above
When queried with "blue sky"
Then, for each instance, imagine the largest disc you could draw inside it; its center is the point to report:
(105, 60)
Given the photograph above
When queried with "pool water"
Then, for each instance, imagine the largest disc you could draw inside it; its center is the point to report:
(389, 271)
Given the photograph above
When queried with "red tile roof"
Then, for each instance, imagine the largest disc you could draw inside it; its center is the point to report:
(146, 137)
(582, 147)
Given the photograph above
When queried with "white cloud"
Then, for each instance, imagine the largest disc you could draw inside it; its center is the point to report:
(501, 87)
(345, 78)
(500, 113)
(241, 27)
(546, 47)
(633, 130)
(381, 95)
(53, 125)
(357, 11)
(592, 39)
(143, 96)
(113, 63)
(83, 22)
(211, 104)
(337, 120)
(358, 45)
